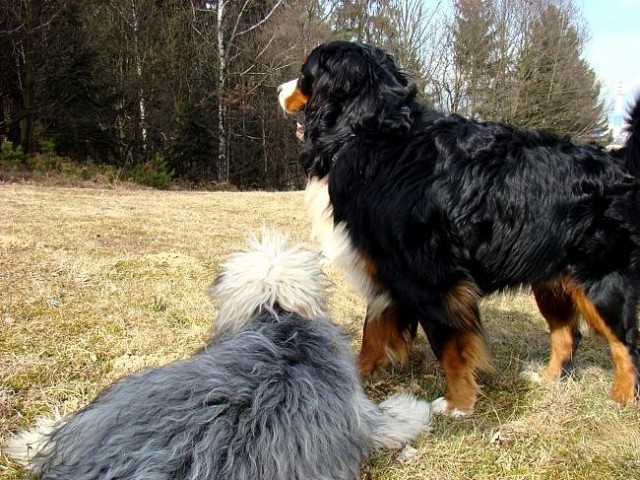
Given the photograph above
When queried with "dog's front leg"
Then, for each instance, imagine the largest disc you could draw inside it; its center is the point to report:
(384, 339)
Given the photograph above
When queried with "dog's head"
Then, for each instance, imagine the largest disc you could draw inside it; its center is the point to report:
(347, 87)
(268, 276)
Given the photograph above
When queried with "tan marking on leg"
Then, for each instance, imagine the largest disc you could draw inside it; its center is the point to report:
(561, 350)
(559, 310)
(382, 340)
(464, 354)
(461, 303)
(624, 380)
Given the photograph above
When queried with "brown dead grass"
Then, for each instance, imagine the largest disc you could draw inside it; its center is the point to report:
(96, 284)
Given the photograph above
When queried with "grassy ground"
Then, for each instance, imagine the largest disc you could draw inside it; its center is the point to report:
(98, 283)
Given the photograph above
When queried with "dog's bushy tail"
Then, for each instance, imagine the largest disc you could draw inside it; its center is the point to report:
(400, 419)
(631, 149)
(24, 446)
(270, 274)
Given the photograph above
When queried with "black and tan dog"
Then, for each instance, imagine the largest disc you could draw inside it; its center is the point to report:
(429, 212)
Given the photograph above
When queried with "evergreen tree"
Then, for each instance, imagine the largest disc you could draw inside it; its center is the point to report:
(474, 52)
(76, 106)
(558, 90)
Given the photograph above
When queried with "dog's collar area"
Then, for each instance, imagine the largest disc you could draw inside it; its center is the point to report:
(345, 142)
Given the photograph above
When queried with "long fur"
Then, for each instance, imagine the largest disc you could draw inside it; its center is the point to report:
(274, 395)
(442, 210)
(630, 153)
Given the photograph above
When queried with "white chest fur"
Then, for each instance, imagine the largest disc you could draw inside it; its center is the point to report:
(337, 247)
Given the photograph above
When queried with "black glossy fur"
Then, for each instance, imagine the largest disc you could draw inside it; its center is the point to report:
(437, 201)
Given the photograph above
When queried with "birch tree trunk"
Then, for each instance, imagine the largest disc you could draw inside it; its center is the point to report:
(226, 38)
(223, 159)
(138, 64)
(28, 79)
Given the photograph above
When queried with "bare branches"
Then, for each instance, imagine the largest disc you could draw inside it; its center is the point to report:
(194, 82)
(256, 25)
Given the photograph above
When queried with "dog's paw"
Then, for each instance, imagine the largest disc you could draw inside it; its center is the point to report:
(441, 406)
(532, 377)
(406, 454)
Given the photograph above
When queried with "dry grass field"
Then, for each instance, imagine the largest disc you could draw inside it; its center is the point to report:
(98, 283)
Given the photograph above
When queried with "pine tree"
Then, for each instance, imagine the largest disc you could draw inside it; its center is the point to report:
(474, 47)
(557, 89)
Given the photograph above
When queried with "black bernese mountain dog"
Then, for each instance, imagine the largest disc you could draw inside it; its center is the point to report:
(428, 212)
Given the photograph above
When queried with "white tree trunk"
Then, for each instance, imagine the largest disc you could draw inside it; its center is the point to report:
(138, 62)
(223, 46)
(223, 161)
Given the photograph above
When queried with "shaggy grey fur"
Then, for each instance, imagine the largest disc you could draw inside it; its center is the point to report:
(276, 398)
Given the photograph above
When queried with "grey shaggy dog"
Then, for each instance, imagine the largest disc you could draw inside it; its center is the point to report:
(274, 395)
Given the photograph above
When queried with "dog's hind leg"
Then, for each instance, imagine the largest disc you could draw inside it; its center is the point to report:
(384, 338)
(559, 310)
(610, 309)
(459, 344)
(464, 354)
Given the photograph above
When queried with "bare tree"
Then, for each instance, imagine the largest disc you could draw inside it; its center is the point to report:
(25, 22)
(129, 13)
(416, 32)
(233, 21)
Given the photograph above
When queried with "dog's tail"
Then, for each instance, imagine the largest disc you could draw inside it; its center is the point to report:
(270, 274)
(631, 150)
(24, 446)
(400, 419)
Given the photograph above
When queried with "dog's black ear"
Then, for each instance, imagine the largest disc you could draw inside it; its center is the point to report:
(396, 111)
(394, 92)
(341, 76)
(384, 108)
(369, 91)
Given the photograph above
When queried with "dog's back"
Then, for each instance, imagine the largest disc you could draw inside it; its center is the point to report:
(265, 402)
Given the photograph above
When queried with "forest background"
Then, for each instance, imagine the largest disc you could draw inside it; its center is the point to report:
(183, 92)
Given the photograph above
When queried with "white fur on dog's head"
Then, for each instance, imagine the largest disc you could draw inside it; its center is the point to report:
(269, 274)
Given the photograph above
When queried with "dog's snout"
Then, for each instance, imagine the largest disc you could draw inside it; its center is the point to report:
(287, 91)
